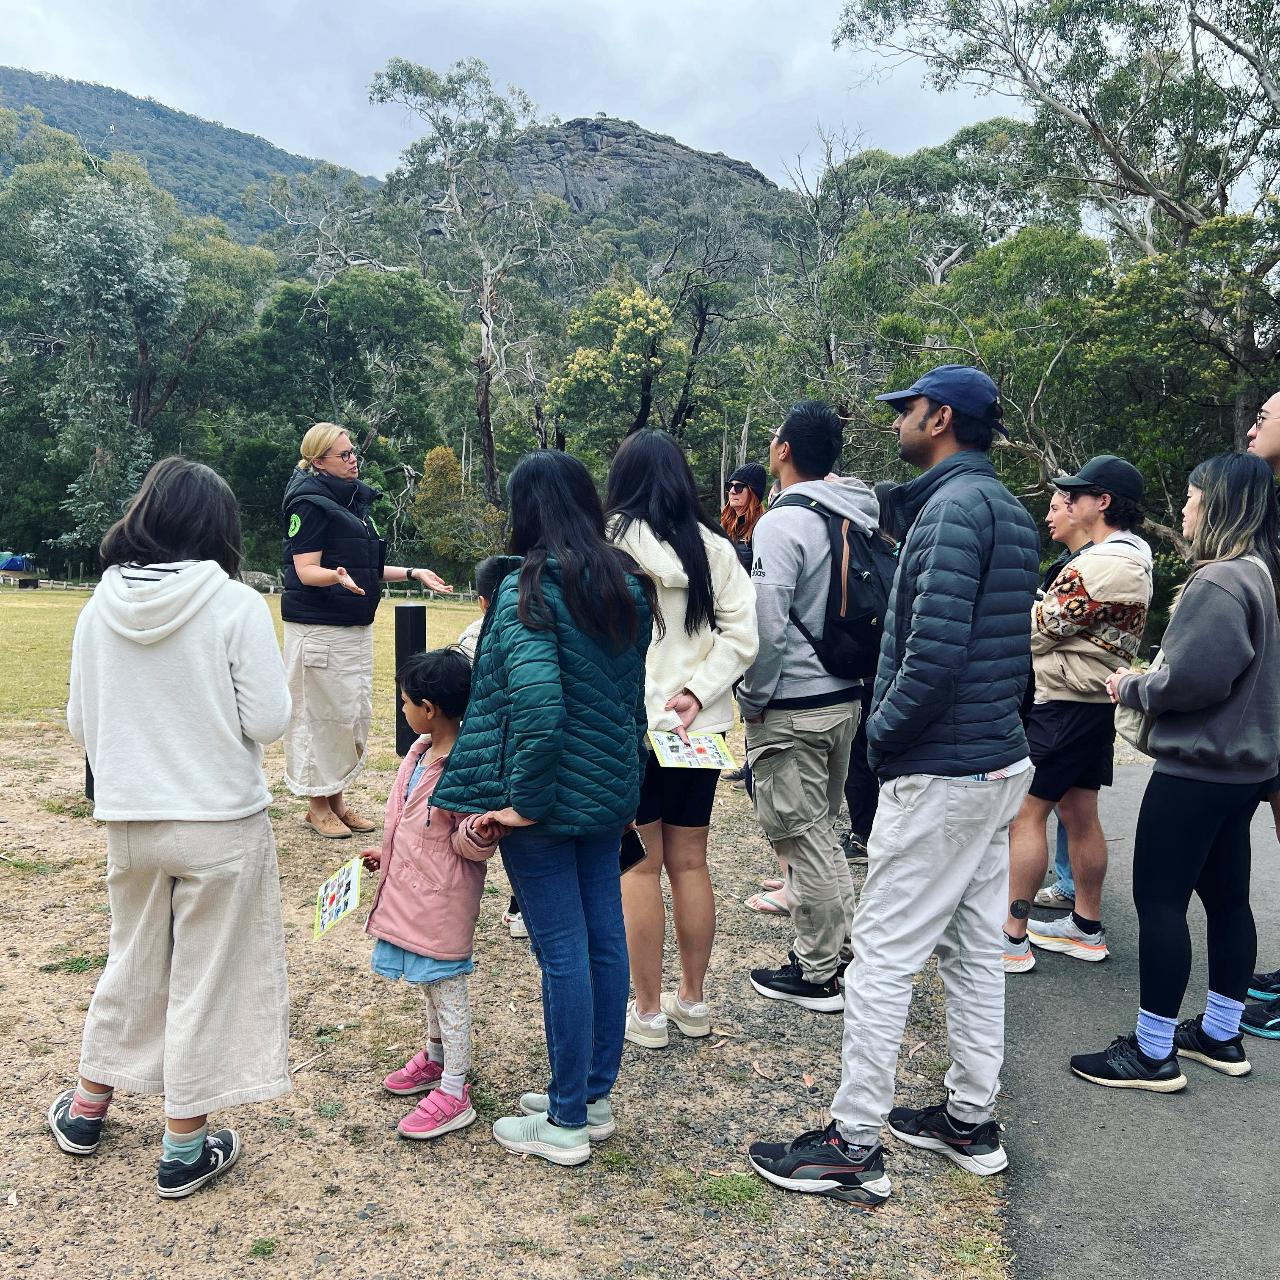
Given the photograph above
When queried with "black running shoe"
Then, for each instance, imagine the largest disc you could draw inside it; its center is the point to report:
(1262, 1020)
(1227, 1056)
(854, 846)
(176, 1179)
(823, 1163)
(975, 1149)
(76, 1135)
(1265, 986)
(1122, 1065)
(789, 983)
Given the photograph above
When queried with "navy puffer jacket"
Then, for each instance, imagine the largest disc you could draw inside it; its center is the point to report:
(956, 652)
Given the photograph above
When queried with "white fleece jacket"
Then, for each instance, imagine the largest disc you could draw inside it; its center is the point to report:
(174, 685)
(708, 662)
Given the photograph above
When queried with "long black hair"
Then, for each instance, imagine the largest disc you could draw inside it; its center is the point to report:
(650, 480)
(556, 513)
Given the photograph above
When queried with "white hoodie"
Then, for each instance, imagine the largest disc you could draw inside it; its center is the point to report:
(708, 662)
(174, 684)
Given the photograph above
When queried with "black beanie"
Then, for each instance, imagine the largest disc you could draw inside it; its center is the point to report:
(752, 474)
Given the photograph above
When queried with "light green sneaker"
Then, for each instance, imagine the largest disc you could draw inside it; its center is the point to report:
(600, 1123)
(537, 1136)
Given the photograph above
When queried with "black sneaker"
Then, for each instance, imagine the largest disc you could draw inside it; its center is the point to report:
(977, 1149)
(176, 1179)
(1262, 1020)
(76, 1135)
(822, 1163)
(1265, 986)
(854, 846)
(1227, 1056)
(1122, 1065)
(789, 983)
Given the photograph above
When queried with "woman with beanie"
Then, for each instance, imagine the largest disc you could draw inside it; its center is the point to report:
(334, 563)
(743, 507)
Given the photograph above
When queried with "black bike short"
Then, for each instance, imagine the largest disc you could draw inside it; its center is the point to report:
(1071, 745)
(678, 797)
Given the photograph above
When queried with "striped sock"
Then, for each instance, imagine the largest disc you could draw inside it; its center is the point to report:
(89, 1105)
(1155, 1035)
(1222, 1017)
(184, 1146)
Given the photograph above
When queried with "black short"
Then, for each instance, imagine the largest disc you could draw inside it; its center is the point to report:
(678, 797)
(1071, 746)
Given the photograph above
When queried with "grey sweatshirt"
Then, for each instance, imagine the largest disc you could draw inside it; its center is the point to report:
(1217, 698)
(791, 569)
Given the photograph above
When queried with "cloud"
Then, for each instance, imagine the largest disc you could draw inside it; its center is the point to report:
(753, 80)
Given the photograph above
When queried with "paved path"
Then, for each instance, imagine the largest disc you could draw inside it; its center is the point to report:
(1106, 1183)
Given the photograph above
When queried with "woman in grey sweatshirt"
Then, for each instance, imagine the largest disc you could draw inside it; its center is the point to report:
(1215, 735)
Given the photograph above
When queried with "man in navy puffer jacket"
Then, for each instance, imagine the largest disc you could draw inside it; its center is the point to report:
(946, 740)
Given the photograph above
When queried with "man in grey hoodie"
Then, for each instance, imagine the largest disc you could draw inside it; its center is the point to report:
(800, 718)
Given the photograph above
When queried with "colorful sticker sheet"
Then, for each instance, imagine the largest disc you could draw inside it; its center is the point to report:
(702, 751)
(339, 896)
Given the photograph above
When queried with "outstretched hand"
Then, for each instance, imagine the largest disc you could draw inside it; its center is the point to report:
(433, 581)
(346, 580)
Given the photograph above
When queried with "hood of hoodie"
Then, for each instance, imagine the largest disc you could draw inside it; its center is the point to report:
(657, 558)
(1127, 545)
(355, 495)
(147, 612)
(847, 496)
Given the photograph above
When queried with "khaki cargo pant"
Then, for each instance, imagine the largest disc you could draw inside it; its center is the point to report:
(937, 880)
(194, 1001)
(799, 762)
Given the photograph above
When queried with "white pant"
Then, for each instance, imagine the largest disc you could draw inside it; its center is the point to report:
(937, 880)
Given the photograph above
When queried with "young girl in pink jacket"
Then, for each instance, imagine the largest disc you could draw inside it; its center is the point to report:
(432, 864)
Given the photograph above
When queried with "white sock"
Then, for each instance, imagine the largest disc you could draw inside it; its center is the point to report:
(697, 1006)
(453, 1083)
(435, 1052)
(649, 1017)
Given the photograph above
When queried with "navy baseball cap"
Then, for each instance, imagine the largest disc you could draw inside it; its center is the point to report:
(966, 390)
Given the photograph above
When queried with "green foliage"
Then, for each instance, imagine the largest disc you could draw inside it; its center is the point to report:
(457, 528)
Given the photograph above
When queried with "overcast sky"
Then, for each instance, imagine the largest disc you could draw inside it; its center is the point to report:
(752, 78)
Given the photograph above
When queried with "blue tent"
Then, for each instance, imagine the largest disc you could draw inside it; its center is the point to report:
(11, 562)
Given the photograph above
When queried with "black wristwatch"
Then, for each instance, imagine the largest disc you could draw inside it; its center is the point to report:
(412, 578)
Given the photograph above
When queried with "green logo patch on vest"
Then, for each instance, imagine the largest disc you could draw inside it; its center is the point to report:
(295, 523)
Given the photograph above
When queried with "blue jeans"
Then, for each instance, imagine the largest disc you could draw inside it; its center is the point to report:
(1062, 861)
(570, 895)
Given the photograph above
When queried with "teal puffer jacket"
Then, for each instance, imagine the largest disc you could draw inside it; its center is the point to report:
(555, 725)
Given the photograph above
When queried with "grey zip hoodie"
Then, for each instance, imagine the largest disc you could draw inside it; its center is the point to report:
(791, 570)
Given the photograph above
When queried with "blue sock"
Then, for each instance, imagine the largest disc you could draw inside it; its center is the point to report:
(1222, 1017)
(1155, 1034)
(185, 1146)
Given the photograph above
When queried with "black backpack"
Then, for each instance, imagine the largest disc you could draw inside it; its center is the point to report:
(862, 568)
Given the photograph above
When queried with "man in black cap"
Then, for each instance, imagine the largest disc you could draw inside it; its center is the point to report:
(1088, 624)
(945, 737)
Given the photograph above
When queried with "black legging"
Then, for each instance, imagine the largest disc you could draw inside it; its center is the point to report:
(1193, 837)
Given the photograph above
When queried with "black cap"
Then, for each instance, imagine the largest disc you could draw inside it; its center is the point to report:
(752, 474)
(1106, 472)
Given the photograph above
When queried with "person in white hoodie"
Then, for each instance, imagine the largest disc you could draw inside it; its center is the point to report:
(709, 640)
(176, 682)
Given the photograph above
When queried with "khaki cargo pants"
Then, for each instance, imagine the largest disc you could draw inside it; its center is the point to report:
(799, 762)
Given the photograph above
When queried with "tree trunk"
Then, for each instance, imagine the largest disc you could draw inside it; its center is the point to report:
(1248, 403)
(484, 425)
(560, 440)
(684, 403)
(539, 424)
(646, 391)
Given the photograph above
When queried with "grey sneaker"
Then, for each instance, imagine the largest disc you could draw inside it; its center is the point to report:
(1018, 957)
(651, 1033)
(537, 1136)
(1055, 897)
(1065, 936)
(600, 1123)
(694, 1022)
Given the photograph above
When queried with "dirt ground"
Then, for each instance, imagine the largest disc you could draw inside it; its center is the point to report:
(326, 1188)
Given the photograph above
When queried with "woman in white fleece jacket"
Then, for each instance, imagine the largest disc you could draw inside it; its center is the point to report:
(709, 609)
(176, 681)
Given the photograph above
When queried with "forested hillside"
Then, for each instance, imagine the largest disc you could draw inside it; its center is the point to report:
(205, 165)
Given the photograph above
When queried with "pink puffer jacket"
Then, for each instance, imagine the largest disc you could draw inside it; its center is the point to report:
(432, 872)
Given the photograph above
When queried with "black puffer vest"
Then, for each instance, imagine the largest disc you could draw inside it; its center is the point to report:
(351, 540)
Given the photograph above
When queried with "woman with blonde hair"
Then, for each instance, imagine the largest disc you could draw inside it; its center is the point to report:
(334, 561)
(1212, 707)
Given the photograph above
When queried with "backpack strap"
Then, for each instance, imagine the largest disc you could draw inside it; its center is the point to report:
(826, 514)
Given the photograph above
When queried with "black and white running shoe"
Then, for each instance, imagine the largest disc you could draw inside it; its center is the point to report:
(1227, 1056)
(822, 1163)
(175, 1179)
(1122, 1065)
(789, 983)
(975, 1148)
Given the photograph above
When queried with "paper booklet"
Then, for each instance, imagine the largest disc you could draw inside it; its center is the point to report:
(339, 896)
(703, 751)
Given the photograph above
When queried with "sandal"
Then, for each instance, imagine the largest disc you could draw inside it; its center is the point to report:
(354, 822)
(331, 827)
(774, 885)
(768, 904)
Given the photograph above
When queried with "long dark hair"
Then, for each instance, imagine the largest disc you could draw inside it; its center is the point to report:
(182, 511)
(650, 480)
(556, 513)
(1239, 515)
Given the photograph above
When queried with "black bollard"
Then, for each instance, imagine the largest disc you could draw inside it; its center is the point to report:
(411, 638)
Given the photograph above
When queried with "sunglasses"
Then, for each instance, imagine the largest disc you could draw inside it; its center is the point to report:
(736, 486)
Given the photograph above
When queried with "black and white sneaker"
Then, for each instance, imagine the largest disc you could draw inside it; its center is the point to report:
(1122, 1065)
(1227, 1056)
(855, 847)
(1262, 1019)
(822, 1163)
(76, 1135)
(976, 1149)
(789, 983)
(1265, 986)
(174, 1179)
